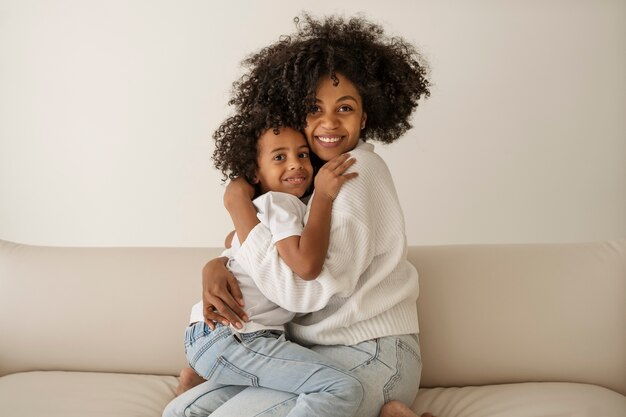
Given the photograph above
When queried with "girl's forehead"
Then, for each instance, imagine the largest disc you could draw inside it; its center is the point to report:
(286, 138)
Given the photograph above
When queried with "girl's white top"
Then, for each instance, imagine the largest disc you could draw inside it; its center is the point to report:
(367, 288)
(283, 214)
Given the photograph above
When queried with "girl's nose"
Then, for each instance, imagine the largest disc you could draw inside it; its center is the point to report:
(295, 163)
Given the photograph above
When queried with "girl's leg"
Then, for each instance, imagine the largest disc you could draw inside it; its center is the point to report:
(267, 360)
(201, 400)
(389, 368)
(187, 380)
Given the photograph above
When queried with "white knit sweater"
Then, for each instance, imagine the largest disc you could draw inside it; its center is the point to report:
(367, 288)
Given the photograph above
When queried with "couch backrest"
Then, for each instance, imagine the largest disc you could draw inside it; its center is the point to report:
(488, 314)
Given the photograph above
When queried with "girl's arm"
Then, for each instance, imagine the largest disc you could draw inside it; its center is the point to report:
(238, 201)
(305, 254)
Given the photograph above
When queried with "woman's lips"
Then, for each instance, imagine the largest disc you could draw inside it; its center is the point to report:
(328, 141)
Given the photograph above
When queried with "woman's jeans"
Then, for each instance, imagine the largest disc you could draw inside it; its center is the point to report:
(232, 361)
(388, 368)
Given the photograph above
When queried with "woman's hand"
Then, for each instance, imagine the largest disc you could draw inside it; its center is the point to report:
(222, 300)
(331, 176)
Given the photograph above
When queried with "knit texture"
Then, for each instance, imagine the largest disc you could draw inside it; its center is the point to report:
(367, 288)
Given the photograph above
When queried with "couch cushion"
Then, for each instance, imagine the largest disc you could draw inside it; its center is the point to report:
(541, 399)
(79, 394)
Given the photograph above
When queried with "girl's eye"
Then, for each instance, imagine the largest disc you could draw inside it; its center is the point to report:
(345, 108)
(279, 157)
(303, 155)
(314, 109)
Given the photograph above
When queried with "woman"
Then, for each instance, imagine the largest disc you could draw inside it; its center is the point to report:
(341, 82)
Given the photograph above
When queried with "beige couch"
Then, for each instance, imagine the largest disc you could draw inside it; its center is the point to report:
(507, 330)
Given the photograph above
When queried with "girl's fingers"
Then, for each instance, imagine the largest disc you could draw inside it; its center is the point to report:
(344, 166)
(337, 161)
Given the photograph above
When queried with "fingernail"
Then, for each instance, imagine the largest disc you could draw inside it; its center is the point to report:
(238, 325)
(225, 322)
(245, 318)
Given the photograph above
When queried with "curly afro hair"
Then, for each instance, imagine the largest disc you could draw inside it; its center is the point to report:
(278, 87)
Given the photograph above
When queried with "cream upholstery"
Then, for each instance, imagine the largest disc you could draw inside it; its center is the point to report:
(519, 330)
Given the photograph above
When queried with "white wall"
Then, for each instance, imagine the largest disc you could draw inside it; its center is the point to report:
(107, 107)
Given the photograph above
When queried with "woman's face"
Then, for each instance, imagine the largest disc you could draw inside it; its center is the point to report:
(334, 126)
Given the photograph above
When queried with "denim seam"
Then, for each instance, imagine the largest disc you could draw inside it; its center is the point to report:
(207, 346)
(391, 383)
(407, 347)
(221, 361)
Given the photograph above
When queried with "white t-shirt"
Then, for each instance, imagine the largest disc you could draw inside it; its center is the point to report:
(283, 215)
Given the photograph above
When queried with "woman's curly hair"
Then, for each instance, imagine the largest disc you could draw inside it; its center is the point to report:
(278, 87)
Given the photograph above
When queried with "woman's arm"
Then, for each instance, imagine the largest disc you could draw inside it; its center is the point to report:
(305, 254)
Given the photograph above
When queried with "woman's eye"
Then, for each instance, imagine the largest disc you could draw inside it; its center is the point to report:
(314, 109)
(345, 108)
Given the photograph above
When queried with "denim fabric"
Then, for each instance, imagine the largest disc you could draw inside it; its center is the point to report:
(264, 359)
(388, 368)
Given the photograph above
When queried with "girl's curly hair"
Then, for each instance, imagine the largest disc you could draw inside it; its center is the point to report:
(278, 87)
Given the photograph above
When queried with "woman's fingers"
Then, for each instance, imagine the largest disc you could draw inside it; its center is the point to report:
(222, 299)
(224, 309)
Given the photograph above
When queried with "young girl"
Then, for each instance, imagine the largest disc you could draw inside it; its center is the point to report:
(342, 82)
(258, 354)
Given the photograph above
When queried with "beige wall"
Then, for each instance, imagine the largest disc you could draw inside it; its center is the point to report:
(106, 111)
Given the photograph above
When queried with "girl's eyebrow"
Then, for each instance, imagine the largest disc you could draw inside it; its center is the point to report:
(284, 148)
(278, 149)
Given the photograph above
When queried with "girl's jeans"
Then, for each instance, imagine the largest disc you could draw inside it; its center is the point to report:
(232, 361)
(388, 368)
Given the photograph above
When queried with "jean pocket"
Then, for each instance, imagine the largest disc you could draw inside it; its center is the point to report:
(351, 357)
(226, 373)
(404, 383)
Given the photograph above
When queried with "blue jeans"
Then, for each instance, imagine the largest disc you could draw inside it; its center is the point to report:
(388, 368)
(232, 361)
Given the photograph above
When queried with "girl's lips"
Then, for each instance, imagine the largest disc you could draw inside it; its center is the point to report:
(295, 180)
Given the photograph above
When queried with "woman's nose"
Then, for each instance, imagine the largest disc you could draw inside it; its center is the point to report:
(329, 121)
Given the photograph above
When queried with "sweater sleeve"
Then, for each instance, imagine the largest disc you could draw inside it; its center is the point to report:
(349, 255)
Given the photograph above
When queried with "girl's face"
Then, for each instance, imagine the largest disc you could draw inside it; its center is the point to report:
(283, 162)
(334, 126)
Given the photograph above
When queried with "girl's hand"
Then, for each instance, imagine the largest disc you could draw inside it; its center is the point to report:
(331, 176)
(222, 300)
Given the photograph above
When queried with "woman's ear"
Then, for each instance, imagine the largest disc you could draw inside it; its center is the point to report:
(363, 119)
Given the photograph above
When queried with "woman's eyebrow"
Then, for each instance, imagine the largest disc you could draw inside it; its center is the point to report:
(347, 97)
(342, 98)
